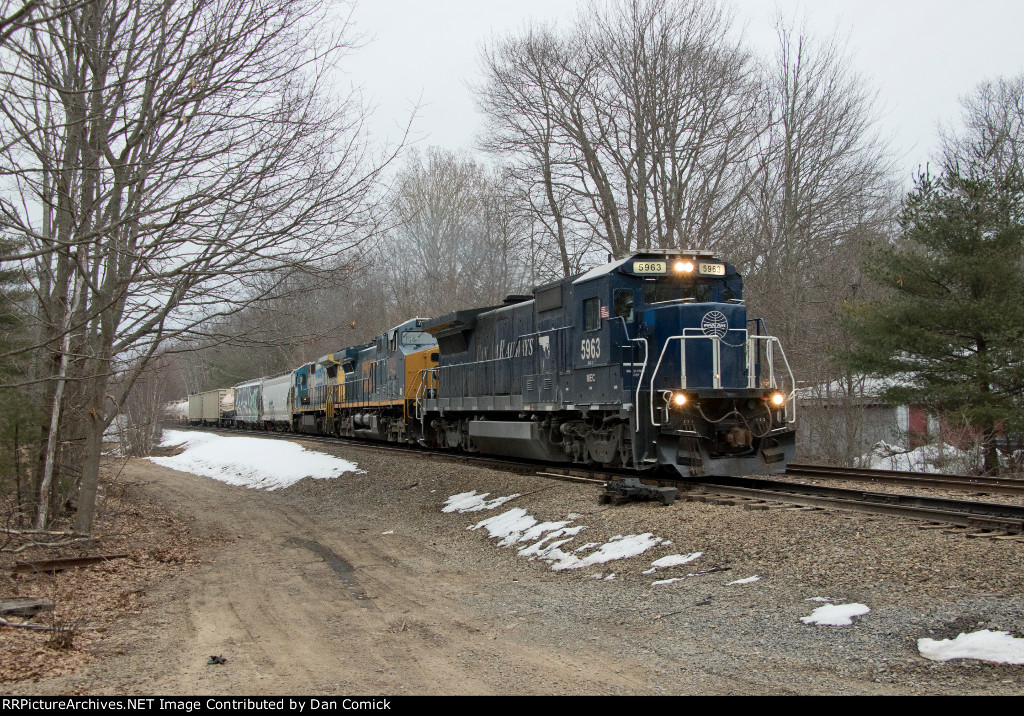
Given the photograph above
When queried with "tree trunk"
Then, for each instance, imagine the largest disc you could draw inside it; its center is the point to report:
(990, 452)
(95, 425)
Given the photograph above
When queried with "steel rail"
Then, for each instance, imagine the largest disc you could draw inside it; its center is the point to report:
(971, 483)
(965, 513)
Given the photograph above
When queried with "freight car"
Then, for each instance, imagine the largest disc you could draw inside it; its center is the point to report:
(649, 361)
(212, 407)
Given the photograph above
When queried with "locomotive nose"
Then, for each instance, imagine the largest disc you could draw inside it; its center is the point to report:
(697, 345)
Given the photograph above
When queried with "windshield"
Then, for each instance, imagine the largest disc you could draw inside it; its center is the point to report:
(417, 338)
(662, 291)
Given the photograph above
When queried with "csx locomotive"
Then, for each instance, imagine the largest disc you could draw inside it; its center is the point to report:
(644, 362)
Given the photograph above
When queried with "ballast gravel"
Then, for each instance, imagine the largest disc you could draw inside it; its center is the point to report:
(708, 618)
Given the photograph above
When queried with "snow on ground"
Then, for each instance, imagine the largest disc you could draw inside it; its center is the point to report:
(984, 645)
(472, 502)
(544, 540)
(672, 560)
(748, 580)
(835, 614)
(249, 462)
(927, 458)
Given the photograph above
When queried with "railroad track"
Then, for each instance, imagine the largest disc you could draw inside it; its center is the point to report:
(968, 483)
(986, 518)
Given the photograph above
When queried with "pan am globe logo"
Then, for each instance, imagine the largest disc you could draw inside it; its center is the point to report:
(714, 323)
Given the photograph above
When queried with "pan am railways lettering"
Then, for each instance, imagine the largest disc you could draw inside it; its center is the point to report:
(519, 348)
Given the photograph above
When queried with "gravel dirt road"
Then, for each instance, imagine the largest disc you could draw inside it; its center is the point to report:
(361, 585)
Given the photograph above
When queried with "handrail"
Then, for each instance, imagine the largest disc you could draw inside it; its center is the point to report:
(640, 380)
(654, 374)
(427, 377)
(750, 346)
(773, 341)
(716, 364)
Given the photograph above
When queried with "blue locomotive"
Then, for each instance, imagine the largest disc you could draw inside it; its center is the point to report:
(646, 361)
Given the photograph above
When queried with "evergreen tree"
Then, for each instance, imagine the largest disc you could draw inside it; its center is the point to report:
(951, 333)
(15, 407)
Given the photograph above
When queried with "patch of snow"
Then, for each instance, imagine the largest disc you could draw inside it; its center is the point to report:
(927, 458)
(507, 524)
(516, 525)
(602, 270)
(553, 529)
(674, 560)
(748, 580)
(618, 547)
(610, 577)
(539, 549)
(820, 599)
(389, 532)
(472, 502)
(249, 462)
(985, 645)
(835, 614)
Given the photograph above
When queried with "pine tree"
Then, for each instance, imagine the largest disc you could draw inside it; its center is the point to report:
(951, 333)
(15, 407)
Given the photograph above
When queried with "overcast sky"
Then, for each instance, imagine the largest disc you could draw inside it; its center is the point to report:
(920, 55)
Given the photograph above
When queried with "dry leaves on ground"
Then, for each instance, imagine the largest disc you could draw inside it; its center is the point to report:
(91, 599)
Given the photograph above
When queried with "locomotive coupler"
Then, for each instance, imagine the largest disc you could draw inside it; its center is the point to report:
(627, 489)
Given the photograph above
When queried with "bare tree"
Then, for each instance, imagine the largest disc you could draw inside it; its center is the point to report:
(15, 16)
(167, 158)
(824, 189)
(991, 141)
(635, 127)
(824, 192)
(456, 240)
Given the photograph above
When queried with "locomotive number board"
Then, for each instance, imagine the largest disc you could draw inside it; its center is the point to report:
(711, 269)
(650, 267)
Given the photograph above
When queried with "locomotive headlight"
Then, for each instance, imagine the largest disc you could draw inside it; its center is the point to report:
(679, 400)
(778, 398)
(684, 266)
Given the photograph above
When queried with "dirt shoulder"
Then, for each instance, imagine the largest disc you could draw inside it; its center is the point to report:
(362, 585)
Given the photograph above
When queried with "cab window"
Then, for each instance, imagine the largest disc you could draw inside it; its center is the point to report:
(623, 303)
(417, 338)
(660, 291)
(592, 314)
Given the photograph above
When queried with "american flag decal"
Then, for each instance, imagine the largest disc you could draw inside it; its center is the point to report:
(604, 311)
